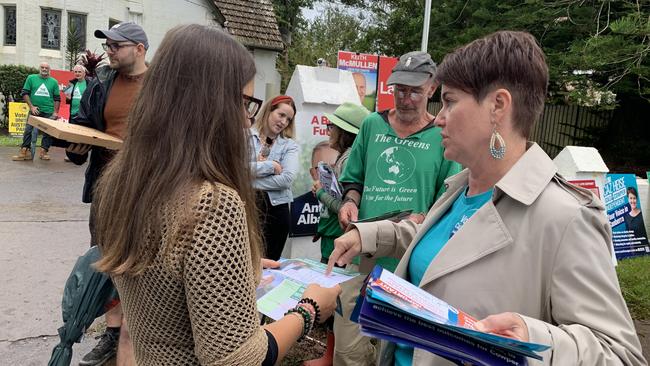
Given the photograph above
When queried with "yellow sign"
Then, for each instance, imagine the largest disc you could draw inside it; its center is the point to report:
(17, 117)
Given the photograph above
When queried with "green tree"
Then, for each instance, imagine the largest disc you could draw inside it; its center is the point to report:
(74, 46)
(608, 40)
(289, 16)
(335, 29)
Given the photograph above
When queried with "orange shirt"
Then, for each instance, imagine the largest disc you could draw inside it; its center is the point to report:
(120, 100)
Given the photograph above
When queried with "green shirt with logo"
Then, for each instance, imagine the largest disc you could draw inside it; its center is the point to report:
(397, 173)
(42, 92)
(77, 92)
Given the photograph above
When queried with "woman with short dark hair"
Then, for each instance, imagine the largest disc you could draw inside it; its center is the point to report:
(510, 241)
(634, 218)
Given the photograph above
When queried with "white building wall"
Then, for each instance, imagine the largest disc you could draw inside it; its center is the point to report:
(267, 79)
(155, 16)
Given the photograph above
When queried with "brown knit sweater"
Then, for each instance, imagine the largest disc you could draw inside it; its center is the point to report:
(195, 305)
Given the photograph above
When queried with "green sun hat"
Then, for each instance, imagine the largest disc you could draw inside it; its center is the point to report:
(348, 117)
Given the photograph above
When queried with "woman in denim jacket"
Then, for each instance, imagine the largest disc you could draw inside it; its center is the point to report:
(275, 164)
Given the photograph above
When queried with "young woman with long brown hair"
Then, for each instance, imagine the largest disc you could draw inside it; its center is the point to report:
(178, 227)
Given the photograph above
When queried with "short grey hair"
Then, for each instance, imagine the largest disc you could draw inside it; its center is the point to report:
(80, 66)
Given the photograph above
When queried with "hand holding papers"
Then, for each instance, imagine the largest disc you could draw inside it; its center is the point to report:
(280, 289)
(393, 309)
(329, 181)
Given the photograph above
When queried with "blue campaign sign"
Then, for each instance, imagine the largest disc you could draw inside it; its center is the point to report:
(621, 197)
(305, 214)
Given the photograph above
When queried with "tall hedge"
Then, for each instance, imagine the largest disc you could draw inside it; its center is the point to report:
(12, 79)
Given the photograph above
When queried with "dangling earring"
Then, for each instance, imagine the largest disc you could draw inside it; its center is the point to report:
(497, 152)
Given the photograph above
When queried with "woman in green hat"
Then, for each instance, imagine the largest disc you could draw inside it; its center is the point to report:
(344, 126)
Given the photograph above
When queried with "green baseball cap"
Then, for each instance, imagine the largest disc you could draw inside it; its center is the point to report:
(348, 117)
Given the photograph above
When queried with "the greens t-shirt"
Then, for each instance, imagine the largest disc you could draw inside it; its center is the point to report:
(77, 92)
(42, 92)
(397, 173)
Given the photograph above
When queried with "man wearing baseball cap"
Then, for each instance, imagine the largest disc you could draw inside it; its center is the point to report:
(396, 162)
(105, 106)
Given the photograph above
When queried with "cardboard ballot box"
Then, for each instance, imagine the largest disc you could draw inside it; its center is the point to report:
(75, 133)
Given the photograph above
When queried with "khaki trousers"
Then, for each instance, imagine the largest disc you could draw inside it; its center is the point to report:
(350, 347)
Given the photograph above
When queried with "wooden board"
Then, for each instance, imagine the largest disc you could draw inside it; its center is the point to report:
(75, 133)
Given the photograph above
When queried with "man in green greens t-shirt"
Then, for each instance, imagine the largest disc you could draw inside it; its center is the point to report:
(396, 163)
(76, 89)
(41, 93)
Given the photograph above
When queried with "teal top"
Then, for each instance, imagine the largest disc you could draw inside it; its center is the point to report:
(431, 244)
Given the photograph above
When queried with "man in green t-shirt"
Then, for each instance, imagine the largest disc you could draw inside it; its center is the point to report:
(41, 93)
(396, 163)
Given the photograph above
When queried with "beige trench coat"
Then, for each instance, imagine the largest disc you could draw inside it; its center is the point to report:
(539, 248)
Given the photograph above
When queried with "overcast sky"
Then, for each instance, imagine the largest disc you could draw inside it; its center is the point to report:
(310, 14)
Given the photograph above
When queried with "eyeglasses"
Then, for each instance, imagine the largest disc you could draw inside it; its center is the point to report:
(415, 96)
(252, 105)
(114, 47)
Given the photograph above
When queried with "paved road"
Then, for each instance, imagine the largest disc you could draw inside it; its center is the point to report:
(43, 229)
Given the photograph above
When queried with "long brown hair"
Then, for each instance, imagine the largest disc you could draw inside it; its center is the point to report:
(268, 107)
(185, 128)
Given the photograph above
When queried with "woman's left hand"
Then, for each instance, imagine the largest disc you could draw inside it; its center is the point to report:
(510, 325)
(269, 263)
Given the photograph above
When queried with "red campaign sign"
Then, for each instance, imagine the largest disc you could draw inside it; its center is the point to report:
(63, 77)
(359, 61)
(384, 92)
(589, 184)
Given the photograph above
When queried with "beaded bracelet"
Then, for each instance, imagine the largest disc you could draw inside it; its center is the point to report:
(309, 308)
(313, 303)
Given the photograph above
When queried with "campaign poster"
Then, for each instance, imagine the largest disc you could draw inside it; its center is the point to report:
(18, 113)
(384, 92)
(364, 71)
(589, 184)
(63, 77)
(305, 214)
(621, 197)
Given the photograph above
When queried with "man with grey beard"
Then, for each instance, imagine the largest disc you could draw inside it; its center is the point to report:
(396, 163)
(41, 93)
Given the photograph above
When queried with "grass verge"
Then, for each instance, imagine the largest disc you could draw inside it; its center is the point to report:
(10, 140)
(634, 277)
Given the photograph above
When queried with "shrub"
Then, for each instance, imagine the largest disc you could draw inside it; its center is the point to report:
(12, 79)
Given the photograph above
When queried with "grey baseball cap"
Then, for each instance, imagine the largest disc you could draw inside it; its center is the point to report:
(413, 69)
(126, 31)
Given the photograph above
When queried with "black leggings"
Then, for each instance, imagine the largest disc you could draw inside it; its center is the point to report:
(275, 222)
